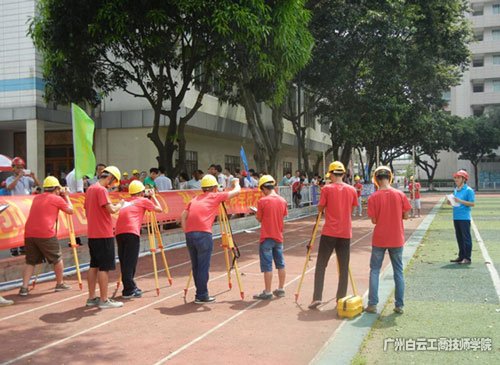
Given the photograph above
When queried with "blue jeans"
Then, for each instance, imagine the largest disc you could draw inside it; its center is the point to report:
(200, 246)
(396, 256)
(464, 239)
(270, 250)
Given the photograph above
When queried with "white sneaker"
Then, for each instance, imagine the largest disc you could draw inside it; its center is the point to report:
(110, 303)
(5, 302)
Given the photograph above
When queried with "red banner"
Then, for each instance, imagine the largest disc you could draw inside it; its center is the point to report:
(12, 219)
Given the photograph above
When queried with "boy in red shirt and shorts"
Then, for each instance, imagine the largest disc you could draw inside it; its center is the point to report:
(387, 208)
(197, 220)
(128, 234)
(337, 201)
(40, 234)
(271, 210)
(98, 209)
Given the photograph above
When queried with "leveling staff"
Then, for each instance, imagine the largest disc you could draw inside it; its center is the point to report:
(128, 234)
(337, 201)
(197, 220)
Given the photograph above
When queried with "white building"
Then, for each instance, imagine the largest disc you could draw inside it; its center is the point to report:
(480, 87)
(41, 133)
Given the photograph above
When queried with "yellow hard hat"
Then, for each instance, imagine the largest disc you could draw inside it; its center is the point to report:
(136, 187)
(266, 179)
(380, 171)
(336, 166)
(125, 173)
(357, 178)
(411, 177)
(113, 170)
(327, 176)
(135, 171)
(51, 182)
(208, 181)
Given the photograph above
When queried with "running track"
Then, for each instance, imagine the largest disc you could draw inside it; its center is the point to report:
(48, 327)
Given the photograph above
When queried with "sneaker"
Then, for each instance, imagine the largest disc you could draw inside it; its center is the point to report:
(137, 293)
(371, 309)
(205, 300)
(23, 291)
(110, 303)
(92, 302)
(398, 310)
(464, 262)
(280, 293)
(62, 287)
(263, 296)
(5, 302)
(458, 259)
(315, 304)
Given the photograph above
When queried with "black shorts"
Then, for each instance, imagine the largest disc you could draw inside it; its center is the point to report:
(102, 253)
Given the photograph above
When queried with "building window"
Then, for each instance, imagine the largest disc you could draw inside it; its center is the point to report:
(496, 8)
(495, 34)
(477, 11)
(287, 167)
(478, 62)
(447, 95)
(496, 86)
(231, 163)
(477, 111)
(478, 37)
(496, 59)
(191, 161)
(478, 88)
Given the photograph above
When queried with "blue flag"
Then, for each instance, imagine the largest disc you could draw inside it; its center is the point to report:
(245, 162)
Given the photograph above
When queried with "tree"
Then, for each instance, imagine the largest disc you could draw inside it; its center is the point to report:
(476, 138)
(378, 65)
(439, 127)
(262, 73)
(150, 49)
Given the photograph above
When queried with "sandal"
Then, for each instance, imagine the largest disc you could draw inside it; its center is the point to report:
(315, 304)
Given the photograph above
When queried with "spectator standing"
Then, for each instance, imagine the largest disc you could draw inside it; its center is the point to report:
(286, 180)
(414, 188)
(74, 185)
(149, 181)
(98, 171)
(387, 208)
(163, 183)
(195, 182)
(359, 189)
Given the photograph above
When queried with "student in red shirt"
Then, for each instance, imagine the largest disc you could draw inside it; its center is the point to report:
(414, 188)
(359, 189)
(387, 208)
(197, 220)
(98, 209)
(128, 234)
(271, 210)
(337, 201)
(40, 233)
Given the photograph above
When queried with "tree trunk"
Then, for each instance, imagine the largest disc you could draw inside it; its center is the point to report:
(154, 136)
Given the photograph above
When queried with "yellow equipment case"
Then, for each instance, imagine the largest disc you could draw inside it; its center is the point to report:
(351, 305)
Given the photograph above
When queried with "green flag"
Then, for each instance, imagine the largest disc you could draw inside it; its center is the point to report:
(83, 137)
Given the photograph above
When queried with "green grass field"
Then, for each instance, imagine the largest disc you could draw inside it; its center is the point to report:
(444, 300)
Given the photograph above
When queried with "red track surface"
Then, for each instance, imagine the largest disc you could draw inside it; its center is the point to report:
(48, 327)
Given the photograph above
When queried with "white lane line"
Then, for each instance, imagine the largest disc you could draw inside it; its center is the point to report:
(222, 324)
(62, 340)
(114, 284)
(488, 261)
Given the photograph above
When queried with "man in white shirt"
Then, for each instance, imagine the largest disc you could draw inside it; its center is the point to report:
(195, 182)
(74, 186)
(163, 183)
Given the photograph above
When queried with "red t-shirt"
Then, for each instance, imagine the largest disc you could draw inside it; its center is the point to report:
(338, 200)
(359, 188)
(202, 210)
(271, 210)
(124, 183)
(417, 190)
(43, 215)
(387, 207)
(99, 222)
(131, 216)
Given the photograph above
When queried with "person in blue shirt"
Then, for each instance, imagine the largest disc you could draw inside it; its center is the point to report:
(465, 198)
